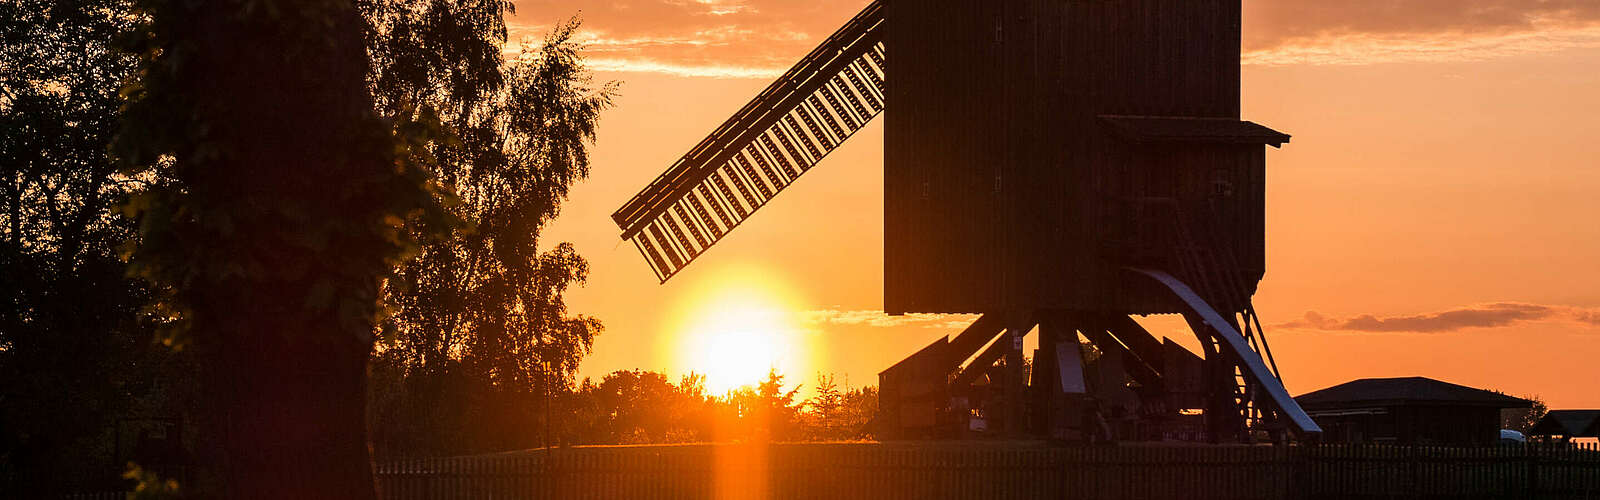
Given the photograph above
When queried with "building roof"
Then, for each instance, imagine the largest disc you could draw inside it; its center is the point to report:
(1383, 392)
(1188, 129)
(1570, 423)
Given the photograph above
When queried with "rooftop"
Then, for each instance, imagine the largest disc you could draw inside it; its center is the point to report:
(1401, 391)
(1570, 423)
(1188, 129)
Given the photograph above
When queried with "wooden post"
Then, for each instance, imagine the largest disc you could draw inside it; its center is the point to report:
(1046, 376)
(1015, 383)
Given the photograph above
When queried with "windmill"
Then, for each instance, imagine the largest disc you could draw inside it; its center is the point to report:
(1064, 165)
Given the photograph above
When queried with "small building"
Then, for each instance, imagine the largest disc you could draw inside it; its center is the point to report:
(1567, 424)
(1408, 410)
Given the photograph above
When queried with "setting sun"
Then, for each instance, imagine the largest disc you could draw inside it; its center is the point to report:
(742, 326)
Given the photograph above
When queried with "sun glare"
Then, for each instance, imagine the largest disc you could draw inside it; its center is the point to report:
(740, 327)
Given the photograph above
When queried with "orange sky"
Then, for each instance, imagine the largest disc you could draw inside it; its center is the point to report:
(1433, 215)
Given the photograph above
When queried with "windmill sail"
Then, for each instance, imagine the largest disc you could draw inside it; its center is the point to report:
(793, 124)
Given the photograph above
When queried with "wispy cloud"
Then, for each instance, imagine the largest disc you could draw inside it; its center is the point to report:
(1378, 48)
(1590, 317)
(1282, 32)
(762, 38)
(642, 65)
(1287, 22)
(704, 38)
(1479, 316)
(879, 319)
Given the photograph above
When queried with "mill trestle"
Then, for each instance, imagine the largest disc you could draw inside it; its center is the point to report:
(1136, 388)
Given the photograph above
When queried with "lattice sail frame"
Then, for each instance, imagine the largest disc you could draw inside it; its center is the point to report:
(777, 137)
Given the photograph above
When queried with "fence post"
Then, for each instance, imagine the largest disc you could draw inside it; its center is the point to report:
(1532, 472)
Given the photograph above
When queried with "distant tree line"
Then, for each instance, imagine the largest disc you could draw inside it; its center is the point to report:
(646, 407)
(642, 407)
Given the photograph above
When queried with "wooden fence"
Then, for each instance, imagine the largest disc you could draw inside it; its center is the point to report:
(1001, 470)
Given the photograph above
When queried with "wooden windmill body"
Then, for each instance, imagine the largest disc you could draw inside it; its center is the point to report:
(1052, 164)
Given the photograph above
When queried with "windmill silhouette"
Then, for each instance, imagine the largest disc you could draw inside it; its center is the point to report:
(1060, 164)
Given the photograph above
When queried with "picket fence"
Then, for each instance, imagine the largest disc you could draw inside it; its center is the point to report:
(884, 471)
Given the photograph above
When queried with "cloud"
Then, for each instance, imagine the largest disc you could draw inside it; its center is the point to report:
(762, 38)
(1281, 32)
(705, 38)
(1282, 22)
(1480, 316)
(879, 319)
(1365, 49)
(1589, 317)
(645, 65)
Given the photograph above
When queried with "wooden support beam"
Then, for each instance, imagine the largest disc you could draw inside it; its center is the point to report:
(1044, 379)
(981, 364)
(1136, 366)
(1144, 345)
(1058, 376)
(974, 337)
(996, 350)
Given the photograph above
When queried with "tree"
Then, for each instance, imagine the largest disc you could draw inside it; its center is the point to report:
(75, 351)
(860, 407)
(769, 411)
(481, 310)
(1522, 419)
(826, 408)
(640, 407)
(283, 215)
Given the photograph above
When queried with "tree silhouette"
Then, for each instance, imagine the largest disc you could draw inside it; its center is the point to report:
(860, 407)
(639, 407)
(826, 409)
(1522, 419)
(75, 352)
(771, 411)
(480, 337)
(282, 217)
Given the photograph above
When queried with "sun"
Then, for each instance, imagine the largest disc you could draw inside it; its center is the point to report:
(736, 344)
(736, 330)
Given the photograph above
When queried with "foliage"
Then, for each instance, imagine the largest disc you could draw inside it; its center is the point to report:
(148, 485)
(478, 326)
(220, 223)
(1523, 419)
(772, 410)
(828, 405)
(641, 407)
(75, 355)
(636, 407)
(281, 214)
(860, 406)
(838, 414)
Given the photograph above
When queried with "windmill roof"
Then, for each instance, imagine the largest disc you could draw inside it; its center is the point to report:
(1189, 129)
(1404, 391)
(1573, 423)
